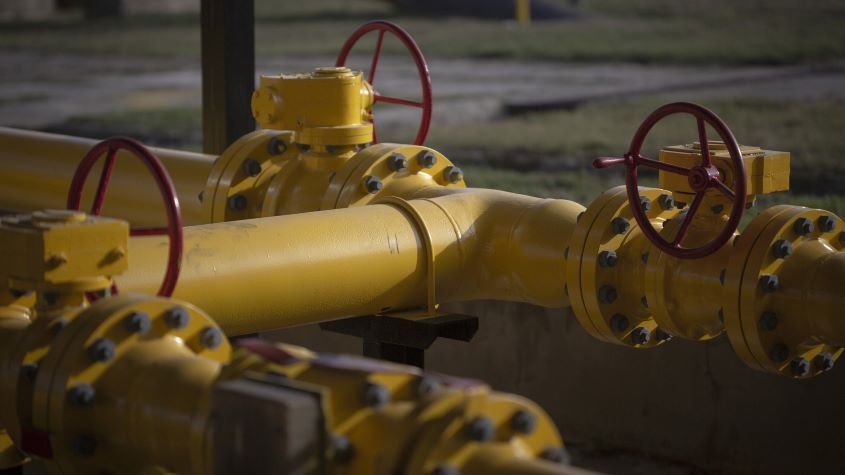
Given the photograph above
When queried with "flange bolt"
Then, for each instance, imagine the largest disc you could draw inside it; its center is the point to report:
(619, 323)
(427, 159)
(799, 367)
(58, 325)
(453, 174)
(251, 167)
(769, 283)
(802, 226)
(662, 335)
(782, 249)
(427, 386)
(645, 204)
(779, 353)
(211, 337)
(640, 336)
(607, 294)
(276, 146)
(372, 184)
(768, 321)
(620, 225)
(666, 202)
(397, 162)
(343, 449)
(102, 350)
(375, 395)
(137, 322)
(81, 394)
(608, 258)
(556, 455)
(481, 429)
(823, 361)
(523, 422)
(237, 202)
(177, 318)
(826, 223)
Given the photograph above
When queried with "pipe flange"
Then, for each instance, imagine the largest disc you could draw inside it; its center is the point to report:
(389, 170)
(240, 177)
(605, 267)
(764, 286)
(85, 360)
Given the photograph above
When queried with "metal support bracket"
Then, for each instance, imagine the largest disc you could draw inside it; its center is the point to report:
(401, 340)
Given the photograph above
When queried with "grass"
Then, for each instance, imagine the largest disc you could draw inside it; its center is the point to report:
(649, 31)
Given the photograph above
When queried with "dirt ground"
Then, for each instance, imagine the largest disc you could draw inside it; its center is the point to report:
(38, 91)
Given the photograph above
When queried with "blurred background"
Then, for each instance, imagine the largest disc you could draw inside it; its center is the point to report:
(523, 106)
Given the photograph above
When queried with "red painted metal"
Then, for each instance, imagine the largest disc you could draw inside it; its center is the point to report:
(701, 178)
(110, 147)
(422, 69)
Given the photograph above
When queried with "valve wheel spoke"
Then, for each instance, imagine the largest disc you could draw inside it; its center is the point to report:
(426, 103)
(395, 100)
(103, 183)
(685, 224)
(702, 141)
(725, 189)
(667, 167)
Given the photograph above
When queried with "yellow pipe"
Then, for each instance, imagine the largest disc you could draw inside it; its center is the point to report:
(38, 167)
(259, 274)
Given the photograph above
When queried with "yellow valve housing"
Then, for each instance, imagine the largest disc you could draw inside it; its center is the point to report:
(328, 107)
(767, 170)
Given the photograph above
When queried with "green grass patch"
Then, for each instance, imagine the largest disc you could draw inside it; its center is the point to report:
(649, 31)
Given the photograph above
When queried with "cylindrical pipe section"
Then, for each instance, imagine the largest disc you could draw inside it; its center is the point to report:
(812, 280)
(256, 275)
(38, 167)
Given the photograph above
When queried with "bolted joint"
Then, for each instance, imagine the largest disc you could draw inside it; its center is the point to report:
(211, 337)
(426, 159)
(343, 449)
(645, 204)
(237, 202)
(607, 294)
(523, 422)
(556, 455)
(453, 174)
(102, 350)
(640, 336)
(375, 395)
(397, 162)
(372, 184)
(619, 323)
(823, 361)
(826, 223)
(782, 249)
(58, 325)
(276, 146)
(769, 283)
(779, 353)
(717, 209)
(177, 318)
(666, 202)
(620, 225)
(137, 322)
(802, 226)
(768, 321)
(427, 386)
(799, 367)
(81, 394)
(481, 429)
(251, 167)
(608, 258)
(662, 335)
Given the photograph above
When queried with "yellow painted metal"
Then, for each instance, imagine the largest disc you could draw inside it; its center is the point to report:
(767, 171)
(13, 320)
(38, 167)
(418, 422)
(327, 107)
(607, 295)
(796, 328)
(523, 12)
(259, 274)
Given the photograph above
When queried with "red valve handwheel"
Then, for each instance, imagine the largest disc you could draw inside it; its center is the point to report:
(382, 27)
(701, 178)
(110, 147)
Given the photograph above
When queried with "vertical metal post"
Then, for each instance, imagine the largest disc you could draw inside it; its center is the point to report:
(228, 71)
(523, 12)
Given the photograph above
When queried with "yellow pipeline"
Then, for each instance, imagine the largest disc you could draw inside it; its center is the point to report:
(38, 167)
(258, 274)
